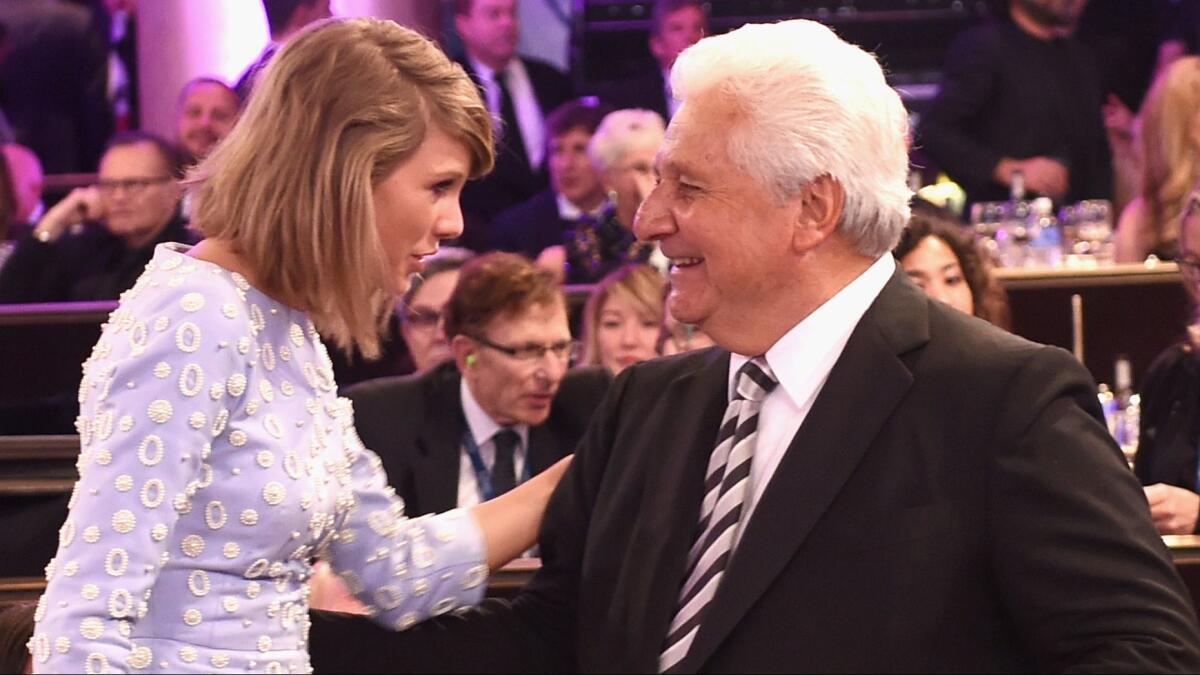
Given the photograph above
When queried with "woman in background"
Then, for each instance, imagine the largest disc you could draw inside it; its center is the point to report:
(1170, 157)
(622, 150)
(623, 318)
(940, 257)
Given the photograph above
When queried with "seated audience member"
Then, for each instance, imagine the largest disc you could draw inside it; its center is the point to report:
(285, 18)
(622, 150)
(941, 257)
(94, 243)
(25, 172)
(207, 110)
(1168, 442)
(505, 409)
(16, 627)
(623, 318)
(421, 308)
(519, 92)
(575, 190)
(1170, 157)
(675, 25)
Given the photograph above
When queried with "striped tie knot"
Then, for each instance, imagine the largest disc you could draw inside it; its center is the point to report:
(755, 380)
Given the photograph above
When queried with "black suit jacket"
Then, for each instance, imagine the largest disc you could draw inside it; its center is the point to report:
(530, 227)
(512, 181)
(416, 425)
(951, 503)
(646, 91)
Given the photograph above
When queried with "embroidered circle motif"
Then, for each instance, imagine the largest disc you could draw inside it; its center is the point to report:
(160, 411)
(273, 493)
(192, 302)
(187, 337)
(192, 545)
(124, 521)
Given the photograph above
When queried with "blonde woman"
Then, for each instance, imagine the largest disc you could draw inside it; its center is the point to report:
(217, 460)
(623, 318)
(1170, 148)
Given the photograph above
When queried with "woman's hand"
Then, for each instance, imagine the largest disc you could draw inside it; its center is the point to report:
(510, 522)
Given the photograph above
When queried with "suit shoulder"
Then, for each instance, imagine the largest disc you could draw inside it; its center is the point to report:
(663, 370)
(542, 68)
(398, 388)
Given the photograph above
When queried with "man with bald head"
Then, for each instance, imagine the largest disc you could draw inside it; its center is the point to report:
(206, 112)
(857, 478)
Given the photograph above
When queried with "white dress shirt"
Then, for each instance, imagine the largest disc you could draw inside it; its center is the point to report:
(672, 102)
(801, 361)
(567, 210)
(482, 428)
(530, 123)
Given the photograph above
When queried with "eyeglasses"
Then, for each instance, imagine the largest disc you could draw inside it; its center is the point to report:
(130, 185)
(566, 350)
(422, 319)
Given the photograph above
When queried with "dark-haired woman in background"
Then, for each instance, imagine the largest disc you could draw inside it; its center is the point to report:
(941, 258)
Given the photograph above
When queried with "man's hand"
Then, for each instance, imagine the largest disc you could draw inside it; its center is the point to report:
(1043, 175)
(80, 205)
(1174, 509)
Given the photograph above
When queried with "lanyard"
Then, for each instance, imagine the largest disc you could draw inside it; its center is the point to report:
(482, 477)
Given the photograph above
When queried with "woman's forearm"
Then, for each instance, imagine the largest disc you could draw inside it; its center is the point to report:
(511, 521)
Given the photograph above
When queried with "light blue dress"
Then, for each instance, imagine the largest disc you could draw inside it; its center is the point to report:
(217, 461)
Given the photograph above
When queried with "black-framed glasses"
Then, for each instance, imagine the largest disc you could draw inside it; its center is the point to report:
(131, 185)
(567, 350)
(423, 319)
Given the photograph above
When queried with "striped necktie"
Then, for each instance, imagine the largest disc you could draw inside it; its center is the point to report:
(725, 488)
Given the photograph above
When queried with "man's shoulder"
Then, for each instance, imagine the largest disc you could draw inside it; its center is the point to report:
(652, 376)
(406, 390)
(517, 217)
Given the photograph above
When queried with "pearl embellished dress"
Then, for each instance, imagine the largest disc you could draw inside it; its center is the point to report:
(217, 462)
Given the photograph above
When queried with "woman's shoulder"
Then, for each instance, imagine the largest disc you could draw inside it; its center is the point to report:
(180, 306)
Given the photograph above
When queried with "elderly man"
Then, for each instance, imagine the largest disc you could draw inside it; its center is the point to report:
(207, 111)
(95, 243)
(858, 478)
(504, 409)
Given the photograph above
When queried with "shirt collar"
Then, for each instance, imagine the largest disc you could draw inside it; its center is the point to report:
(567, 210)
(481, 425)
(485, 73)
(797, 357)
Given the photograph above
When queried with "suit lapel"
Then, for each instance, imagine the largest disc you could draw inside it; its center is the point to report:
(866, 384)
(653, 567)
(542, 447)
(438, 446)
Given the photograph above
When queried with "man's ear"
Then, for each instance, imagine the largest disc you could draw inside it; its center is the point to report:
(464, 350)
(818, 211)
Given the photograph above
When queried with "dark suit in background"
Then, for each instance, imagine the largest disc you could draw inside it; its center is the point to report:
(513, 180)
(416, 426)
(54, 83)
(952, 502)
(647, 91)
(529, 227)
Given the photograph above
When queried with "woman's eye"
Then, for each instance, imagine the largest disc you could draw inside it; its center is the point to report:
(442, 187)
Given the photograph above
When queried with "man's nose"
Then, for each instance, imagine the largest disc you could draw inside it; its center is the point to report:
(653, 219)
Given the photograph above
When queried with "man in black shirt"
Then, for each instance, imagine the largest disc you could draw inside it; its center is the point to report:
(1022, 95)
(95, 243)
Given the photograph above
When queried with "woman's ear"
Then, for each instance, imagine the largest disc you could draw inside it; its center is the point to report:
(819, 207)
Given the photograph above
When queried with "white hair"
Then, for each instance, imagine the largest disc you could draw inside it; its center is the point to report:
(810, 104)
(622, 130)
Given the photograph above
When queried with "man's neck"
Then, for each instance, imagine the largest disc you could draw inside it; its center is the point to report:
(590, 203)
(1036, 29)
(759, 328)
(142, 239)
(496, 64)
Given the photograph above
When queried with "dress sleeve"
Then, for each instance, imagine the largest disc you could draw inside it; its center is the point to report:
(148, 407)
(405, 570)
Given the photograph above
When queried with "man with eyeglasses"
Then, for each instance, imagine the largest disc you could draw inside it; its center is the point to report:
(93, 244)
(504, 409)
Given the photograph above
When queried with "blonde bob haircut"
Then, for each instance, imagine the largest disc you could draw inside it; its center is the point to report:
(639, 285)
(290, 188)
